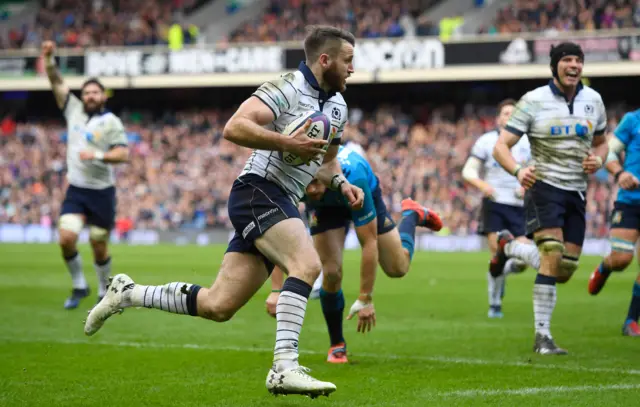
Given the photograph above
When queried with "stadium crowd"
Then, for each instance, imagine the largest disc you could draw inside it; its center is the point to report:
(81, 23)
(551, 17)
(182, 169)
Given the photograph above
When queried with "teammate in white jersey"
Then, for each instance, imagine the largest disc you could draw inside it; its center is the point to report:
(502, 203)
(95, 140)
(263, 209)
(565, 122)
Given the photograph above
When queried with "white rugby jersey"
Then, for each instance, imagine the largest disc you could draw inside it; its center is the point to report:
(503, 183)
(98, 132)
(560, 132)
(288, 97)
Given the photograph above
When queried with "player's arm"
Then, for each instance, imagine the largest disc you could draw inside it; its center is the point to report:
(330, 174)
(518, 124)
(471, 174)
(245, 127)
(597, 157)
(59, 88)
(617, 147)
(367, 232)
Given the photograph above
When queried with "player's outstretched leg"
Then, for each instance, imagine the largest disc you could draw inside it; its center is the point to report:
(329, 245)
(101, 258)
(288, 245)
(396, 245)
(622, 248)
(511, 248)
(70, 227)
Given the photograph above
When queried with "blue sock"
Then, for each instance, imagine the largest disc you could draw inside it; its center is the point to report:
(603, 269)
(634, 307)
(333, 310)
(407, 230)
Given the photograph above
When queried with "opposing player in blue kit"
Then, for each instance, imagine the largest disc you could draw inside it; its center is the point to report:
(625, 218)
(382, 243)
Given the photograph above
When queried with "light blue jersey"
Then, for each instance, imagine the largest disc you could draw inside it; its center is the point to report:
(628, 132)
(359, 173)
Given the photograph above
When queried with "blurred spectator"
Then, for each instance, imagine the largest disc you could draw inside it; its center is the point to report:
(84, 23)
(285, 20)
(182, 169)
(551, 17)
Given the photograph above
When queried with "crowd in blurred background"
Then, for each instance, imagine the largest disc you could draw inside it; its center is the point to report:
(551, 17)
(79, 23)
(87, 23)
(181, 168)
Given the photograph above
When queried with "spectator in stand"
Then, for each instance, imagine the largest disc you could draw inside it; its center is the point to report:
(181, 167)
(551, 17)
(83, 23)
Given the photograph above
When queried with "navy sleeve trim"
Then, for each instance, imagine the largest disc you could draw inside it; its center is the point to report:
(475, 156)
(515, 131)
(599, 133)
(336, 141)
(275, 116)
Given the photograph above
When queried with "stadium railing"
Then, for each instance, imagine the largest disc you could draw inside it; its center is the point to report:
(421, 59)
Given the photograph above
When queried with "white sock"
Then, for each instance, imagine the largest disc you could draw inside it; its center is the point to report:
(177, 298)
(103, 271)
(318, 283)
(544, 301)
(525, 252)
(290, 310)
(514, 265)
(74, 265)
(494, 287)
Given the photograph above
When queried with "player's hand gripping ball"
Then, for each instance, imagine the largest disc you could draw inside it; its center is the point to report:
(308, 138)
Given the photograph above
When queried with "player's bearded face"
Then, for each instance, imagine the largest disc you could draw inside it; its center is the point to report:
(570, 70)
(340, 69)
(93, 98)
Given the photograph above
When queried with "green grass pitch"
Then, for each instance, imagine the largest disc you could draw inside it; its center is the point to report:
(433, 344)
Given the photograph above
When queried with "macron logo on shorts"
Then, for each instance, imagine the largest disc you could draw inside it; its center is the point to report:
(268, 213)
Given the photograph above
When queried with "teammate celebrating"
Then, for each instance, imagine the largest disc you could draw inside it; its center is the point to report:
(502, 203)
(329, 219)
(563, 121)
(625, 219)
(263, 209)
(95, 140)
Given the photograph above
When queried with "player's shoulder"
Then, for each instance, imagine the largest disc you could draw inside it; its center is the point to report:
(588, 93)
(539, 94)
(490, 137)
(112, 118)
(632, 117)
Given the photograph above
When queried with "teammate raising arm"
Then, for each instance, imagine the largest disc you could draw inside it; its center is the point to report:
(263, 209)
(95, 140)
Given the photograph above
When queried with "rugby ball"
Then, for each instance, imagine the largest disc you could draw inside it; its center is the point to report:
(320, 129)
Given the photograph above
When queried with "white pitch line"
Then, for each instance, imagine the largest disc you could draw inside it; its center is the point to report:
(526, 391)
(438, 359)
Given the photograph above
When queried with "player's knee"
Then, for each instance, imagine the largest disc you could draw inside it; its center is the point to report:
(549, 245)
(98, 234)
(332, 272)
(307, 268)
(621, 254)
(568, 265)
(69, 228)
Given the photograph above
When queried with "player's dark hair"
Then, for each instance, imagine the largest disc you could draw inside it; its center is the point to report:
(324, 39)
(92, 81)
(504, 103)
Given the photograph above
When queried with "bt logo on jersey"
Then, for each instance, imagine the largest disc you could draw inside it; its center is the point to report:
(581, 130)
